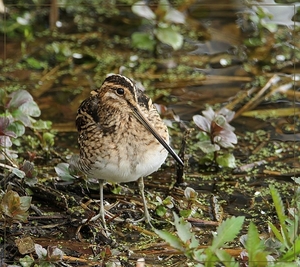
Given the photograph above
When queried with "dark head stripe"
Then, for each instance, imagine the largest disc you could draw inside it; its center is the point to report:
(120, 80)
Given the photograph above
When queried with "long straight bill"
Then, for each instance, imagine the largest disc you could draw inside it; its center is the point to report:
(148, 126)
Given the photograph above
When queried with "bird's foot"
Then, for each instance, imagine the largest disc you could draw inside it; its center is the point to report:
(146, 218)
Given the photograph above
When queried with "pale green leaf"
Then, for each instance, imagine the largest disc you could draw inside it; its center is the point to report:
(27, 261)
(208, 147)
(203, 123)
(18, 98)
(141, 9)
(226, 259)
(185, 213)
(63, 172)
(143, 40)
(18, 172)
(280, 212)
(17, 127)
(254, 245)
(173, 240)
(293, 252)
(175, 16)
(297, 180)
(272, 27)
(190, 193)
(276, 232)
(227, 231)
(199, 255)
(160, 210)
(48, 138)
(183, 228)
(42, 125)
(226, 160)
(169, 36)
(40, 251)
(31, 109)
(15, 206)
(286, 264)
(163, 6)
(34, 63)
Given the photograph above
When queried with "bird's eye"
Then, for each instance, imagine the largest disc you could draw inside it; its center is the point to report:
(120, 91)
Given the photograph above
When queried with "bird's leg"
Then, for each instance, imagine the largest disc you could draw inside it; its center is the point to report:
(101, 214)
(147, 216)
(102, 210)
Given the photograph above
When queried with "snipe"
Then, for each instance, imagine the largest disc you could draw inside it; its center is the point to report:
(121, 136)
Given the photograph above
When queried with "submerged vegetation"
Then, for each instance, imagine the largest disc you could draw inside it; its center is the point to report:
(237, 202)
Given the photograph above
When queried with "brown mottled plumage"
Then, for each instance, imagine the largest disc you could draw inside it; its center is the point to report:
(121, 136)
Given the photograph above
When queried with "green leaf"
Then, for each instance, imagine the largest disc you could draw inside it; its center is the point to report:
(17, 127)
(280, 213)
(3, 97)
(184, 231)
(185, 213)
(42, 125)
(254, 245)
(211, 258)
(226, 160)
(199, 255)
(27, 261)
(173, 240)
(4, 127)
(207, 147)
(22, 117)
(169, 36)
(62, 170)
(162, 9)
(160, 210)
(175, 16)
(276, 232)
(297, 180)
(31, 109)
(227, 231)
(34, 63)
(14, 206)
(48, 139)
(272, 27)
(190, 194)
(226, 259)
(202, 122)
(143, 41)
(293, 252)
(286, 264)
(18, 172)
(168, 202)
(116, 189)
(18, 98)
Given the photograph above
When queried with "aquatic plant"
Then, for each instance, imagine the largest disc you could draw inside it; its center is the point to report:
(49, 257)
(17, 113)
(13, 207)
(186, 241)
(217, 134)
(161, 26)
(281, 248)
